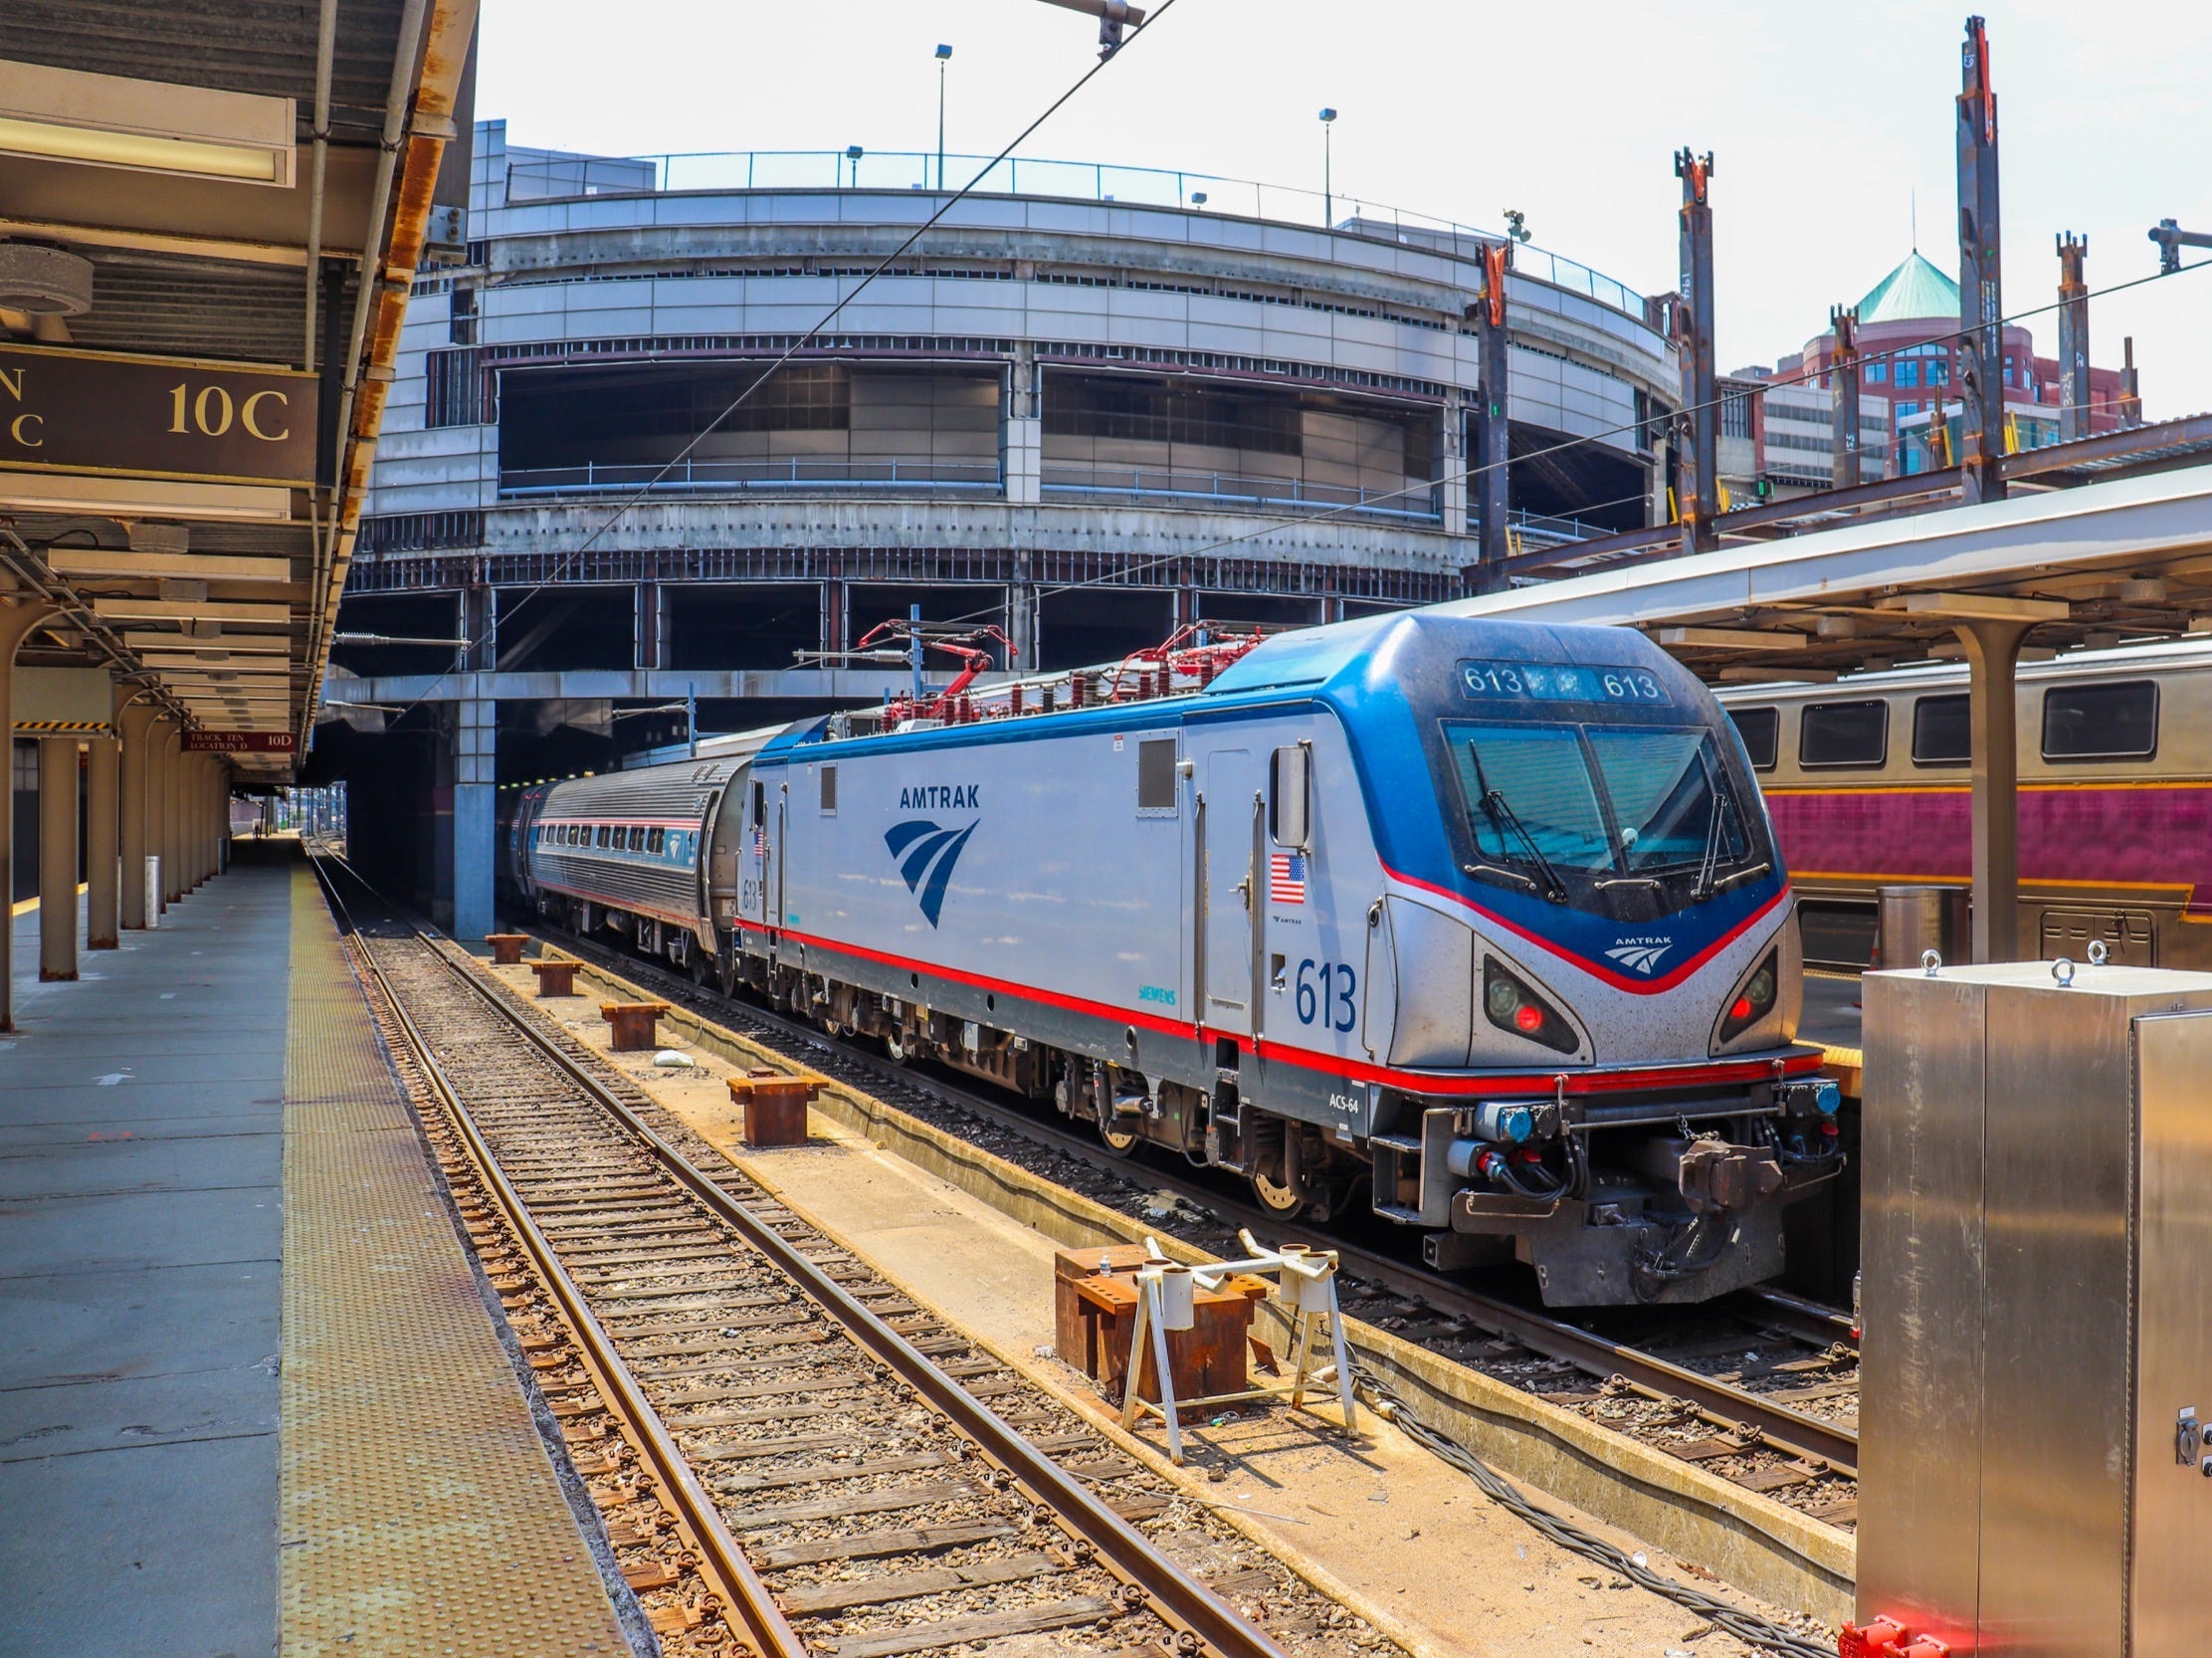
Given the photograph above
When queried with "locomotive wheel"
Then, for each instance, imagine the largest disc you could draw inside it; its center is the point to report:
(700, 968)
(728, 976)
(1281, 1201)
(1123, 1143)
(895, 1050)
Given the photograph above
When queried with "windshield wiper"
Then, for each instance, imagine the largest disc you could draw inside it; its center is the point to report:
(1502, 817)
(1710, 864)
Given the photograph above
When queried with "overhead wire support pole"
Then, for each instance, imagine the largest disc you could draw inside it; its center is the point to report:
(1699, 486)
(1844, 374)
(1493, 498)
(1982, 354)
(2074, 349)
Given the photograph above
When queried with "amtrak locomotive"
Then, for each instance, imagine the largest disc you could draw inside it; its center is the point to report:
(1481, 919)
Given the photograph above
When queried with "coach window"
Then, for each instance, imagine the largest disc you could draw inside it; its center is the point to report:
(1843, 734)
(602, 836)
(1942, 731)
(2101, 721)
(828, 788)
(1155, 776)
(657, 841)
(1761, 731)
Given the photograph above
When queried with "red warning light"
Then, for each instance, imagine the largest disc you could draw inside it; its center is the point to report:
(1529, 1018)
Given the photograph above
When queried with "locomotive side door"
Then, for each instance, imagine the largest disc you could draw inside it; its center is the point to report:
(1231, 887)
(752, 887)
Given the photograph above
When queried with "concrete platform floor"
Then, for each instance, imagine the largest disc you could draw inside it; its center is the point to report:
(152, 1293)
(1447, 1570)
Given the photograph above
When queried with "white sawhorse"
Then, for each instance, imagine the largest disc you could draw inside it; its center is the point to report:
(1305, 1279)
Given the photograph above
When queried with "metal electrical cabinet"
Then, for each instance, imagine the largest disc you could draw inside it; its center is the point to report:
(2036, 1307)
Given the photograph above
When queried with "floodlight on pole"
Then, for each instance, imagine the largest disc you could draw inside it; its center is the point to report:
(853, 153)
(1328, 183)
(944, 56)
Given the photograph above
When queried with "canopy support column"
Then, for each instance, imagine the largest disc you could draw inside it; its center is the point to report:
(1993, 657)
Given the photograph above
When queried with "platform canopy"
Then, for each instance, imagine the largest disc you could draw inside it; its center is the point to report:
(211, 216)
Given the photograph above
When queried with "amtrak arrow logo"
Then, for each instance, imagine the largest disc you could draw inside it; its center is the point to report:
(1639, 954)
(927, 853)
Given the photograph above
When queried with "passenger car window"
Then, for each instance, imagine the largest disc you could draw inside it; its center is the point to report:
(656, 841)
(1844, 733)
(2101, 721)
(602, 835)
(1942, 730)
(1761, 731)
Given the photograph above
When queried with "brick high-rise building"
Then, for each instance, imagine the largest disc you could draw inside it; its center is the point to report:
(1907, 323)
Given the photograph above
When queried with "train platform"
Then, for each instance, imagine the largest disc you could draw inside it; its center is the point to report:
(252, 1396)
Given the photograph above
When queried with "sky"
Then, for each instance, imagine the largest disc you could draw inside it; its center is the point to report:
(1826, 124)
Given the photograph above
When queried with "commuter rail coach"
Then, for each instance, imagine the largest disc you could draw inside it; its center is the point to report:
(1485, 920)
(1867, 781)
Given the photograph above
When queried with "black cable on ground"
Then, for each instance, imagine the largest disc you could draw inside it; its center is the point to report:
(1747, 1627)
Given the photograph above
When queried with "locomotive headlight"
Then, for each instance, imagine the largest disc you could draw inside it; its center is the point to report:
(1512, 1005)
(1753, 1000)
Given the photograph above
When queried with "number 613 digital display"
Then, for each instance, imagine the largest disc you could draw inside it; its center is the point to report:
(1561, 682)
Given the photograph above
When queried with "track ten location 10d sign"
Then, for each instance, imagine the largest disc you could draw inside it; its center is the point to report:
(154, 417)
(239, 743)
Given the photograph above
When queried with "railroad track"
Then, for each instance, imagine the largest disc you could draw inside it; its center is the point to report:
(1760, 1388)
(788, 1449)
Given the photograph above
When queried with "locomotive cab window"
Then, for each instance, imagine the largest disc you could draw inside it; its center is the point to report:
(759, 805)
(1761, 732)
(1579, 814)
(2101, 721)
(828, 788)
(1942, 729)
(1844, 733)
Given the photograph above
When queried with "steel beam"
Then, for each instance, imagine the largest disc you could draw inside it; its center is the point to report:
(1842, 397)
(1981, 309)
(1698, 484)
(20, 616)
(1491, 463)
(1993, 660)
(57, 859)
(136, 724)
(103, 845)
(2074, 349)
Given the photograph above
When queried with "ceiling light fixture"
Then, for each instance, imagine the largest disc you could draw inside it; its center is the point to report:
(116, 120)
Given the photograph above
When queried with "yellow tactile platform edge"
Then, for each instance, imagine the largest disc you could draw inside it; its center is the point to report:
(419, 1512)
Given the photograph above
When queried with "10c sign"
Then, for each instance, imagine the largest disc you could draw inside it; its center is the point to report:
(155, 417)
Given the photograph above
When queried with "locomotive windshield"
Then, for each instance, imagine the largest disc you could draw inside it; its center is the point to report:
(1606, 817)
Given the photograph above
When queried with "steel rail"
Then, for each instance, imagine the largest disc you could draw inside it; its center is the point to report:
(1779, 1426)
(721, 1559)
(1180, 1599)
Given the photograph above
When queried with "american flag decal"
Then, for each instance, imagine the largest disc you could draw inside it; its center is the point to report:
(1286, 877)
